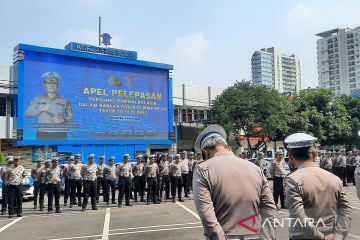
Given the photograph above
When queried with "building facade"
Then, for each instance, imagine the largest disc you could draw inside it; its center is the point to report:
(273, 69)
(338, 56)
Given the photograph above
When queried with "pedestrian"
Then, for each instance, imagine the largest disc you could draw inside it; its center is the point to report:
(5, 187)
(110, 181)
(13, 177)
(53, 179)
(76, 181)
(35, 174)
(191, 169)
(66, 174)
(139, 178)
(100, 178)
(88, 173)
(261, 163)
(185, 172)
(43, 184)
(123, 171)
(151, 172)
(353, 164)
(176, 178)
(342, 166)
(278, 173)
(165, 177)
(229, 191)
(314, 195)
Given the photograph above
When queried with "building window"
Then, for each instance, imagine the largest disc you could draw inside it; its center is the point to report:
(176, 115)
(2, 107)
(183, 115)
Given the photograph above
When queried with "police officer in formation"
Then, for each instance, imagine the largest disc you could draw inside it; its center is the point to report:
(185, 173)
(110, 181)
(176, 168)
(277, 171)
(151, 173)
(5, 187)
(35, 174)
(43, 184)
(14, 176)
(100, 178)
(67, 181)
(314, 193)
(165, 176)
(88, 173)
(139, 178)
(191, 163)
(326, 161)
(53, 179)
(123, 171)
(76, 182)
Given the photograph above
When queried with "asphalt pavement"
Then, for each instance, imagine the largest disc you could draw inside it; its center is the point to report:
(164, 221)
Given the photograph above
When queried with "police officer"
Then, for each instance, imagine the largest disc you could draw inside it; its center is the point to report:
(165, 177)
(43, 184)
(357, 180)
(261, 163)
(176, 178)
(5, 191)
(100, 178)
(185, 172)
(277, 171)
(326, 162)
(50, 107)
(66, 173)
(352, 166)
(13, 177)
(88, 173)
(342, 163)
(76, 182)
(123, 171)
(151, 172)
(315, 194)
(35, 174)
(139, 178)
(110, 181)
(191, 169)
(218, 197)
(53, 179)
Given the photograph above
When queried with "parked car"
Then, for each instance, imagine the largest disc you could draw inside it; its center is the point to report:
(28, 187)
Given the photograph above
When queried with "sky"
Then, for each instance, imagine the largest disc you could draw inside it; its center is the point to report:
(210, 43)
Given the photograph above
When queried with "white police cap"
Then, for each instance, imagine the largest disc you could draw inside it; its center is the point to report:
(92, 155)
(210, 131)
(126, 155)
(112, 158)
(78, 155)
(102, 157)
(300, 140)
(71, 158)
(50, 77)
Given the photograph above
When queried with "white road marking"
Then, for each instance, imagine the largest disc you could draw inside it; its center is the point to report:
(10, 224)
(155, 230)
(155, 226)
(354, 236)
(89, 236)
(105, 234)
(187, 209)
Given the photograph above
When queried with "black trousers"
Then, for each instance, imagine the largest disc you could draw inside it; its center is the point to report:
(185, 178)
(191, 173)
(54, 191)
(89, 190)
(152, 189)
(5, 198)
(37, 185)
(100, 184)
(110, 185)
(67, 190)
(278, 186)
(176, 183)
(75, 191)
(165, 182)
(352, 172)
(344, 175)
(348, 174)
(139, 185)
(43, 190)
(124, 189)
(15, 199)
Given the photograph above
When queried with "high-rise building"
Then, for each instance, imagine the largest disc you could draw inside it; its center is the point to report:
(273, 69)
(338, 55)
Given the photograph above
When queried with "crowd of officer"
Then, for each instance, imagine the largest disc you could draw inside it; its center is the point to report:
(151, 179)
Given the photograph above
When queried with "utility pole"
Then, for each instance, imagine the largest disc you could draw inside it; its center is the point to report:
(99, 31)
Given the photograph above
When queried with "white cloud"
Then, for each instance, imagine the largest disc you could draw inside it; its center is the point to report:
(190, 49)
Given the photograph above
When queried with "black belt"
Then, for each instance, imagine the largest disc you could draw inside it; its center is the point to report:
(243, 237)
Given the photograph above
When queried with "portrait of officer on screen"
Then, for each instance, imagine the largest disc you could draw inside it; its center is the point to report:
(50, 108)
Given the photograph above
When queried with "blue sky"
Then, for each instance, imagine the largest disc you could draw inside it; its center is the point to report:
(208, 42)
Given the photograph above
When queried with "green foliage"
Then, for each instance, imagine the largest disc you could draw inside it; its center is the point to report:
(2, 157)
(352, 104)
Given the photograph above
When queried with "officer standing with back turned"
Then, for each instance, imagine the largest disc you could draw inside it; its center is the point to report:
(314, 194)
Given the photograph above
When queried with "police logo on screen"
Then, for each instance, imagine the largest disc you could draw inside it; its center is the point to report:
(106, 39)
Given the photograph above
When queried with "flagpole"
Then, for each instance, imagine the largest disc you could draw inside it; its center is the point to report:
(99, 31)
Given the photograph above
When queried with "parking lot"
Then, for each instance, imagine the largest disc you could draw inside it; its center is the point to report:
(164, 221)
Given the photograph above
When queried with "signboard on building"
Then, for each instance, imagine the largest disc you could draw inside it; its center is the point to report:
(67, 97)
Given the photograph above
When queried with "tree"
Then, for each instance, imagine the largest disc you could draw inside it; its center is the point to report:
(255, 111)
(320, 113)
(352, 105)
(2, 157)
